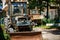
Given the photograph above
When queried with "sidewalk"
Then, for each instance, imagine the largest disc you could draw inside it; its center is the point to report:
(49, 34)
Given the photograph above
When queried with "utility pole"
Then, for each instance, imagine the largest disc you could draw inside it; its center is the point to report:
(9, 7)
(10, 11)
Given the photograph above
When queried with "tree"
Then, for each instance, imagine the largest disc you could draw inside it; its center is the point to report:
(39, 4)
(1, 30)
(47, 3)
(35, 3)
(0, 1)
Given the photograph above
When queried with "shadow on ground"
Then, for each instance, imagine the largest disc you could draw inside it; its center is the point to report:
(55, 32)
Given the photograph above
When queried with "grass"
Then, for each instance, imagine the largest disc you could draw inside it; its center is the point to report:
(47, 27)
(42, 26)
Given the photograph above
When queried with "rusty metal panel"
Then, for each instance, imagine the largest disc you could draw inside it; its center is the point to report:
(34, 17)
(26, 36)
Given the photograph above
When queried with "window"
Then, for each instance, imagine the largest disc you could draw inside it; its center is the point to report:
(1, 6)
(17, 7)
(33, 11)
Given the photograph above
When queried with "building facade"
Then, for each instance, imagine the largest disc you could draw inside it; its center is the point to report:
(19, 7)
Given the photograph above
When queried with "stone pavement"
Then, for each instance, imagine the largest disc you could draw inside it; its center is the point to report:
(49, 34)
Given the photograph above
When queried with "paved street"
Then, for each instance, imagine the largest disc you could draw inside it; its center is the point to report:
(48, 34)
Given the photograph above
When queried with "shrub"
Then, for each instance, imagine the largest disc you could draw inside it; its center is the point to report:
(45, 20)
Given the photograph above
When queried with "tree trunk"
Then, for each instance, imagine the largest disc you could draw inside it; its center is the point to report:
(59, 12)
(47, 10)
(40, 10)
(28, 11)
